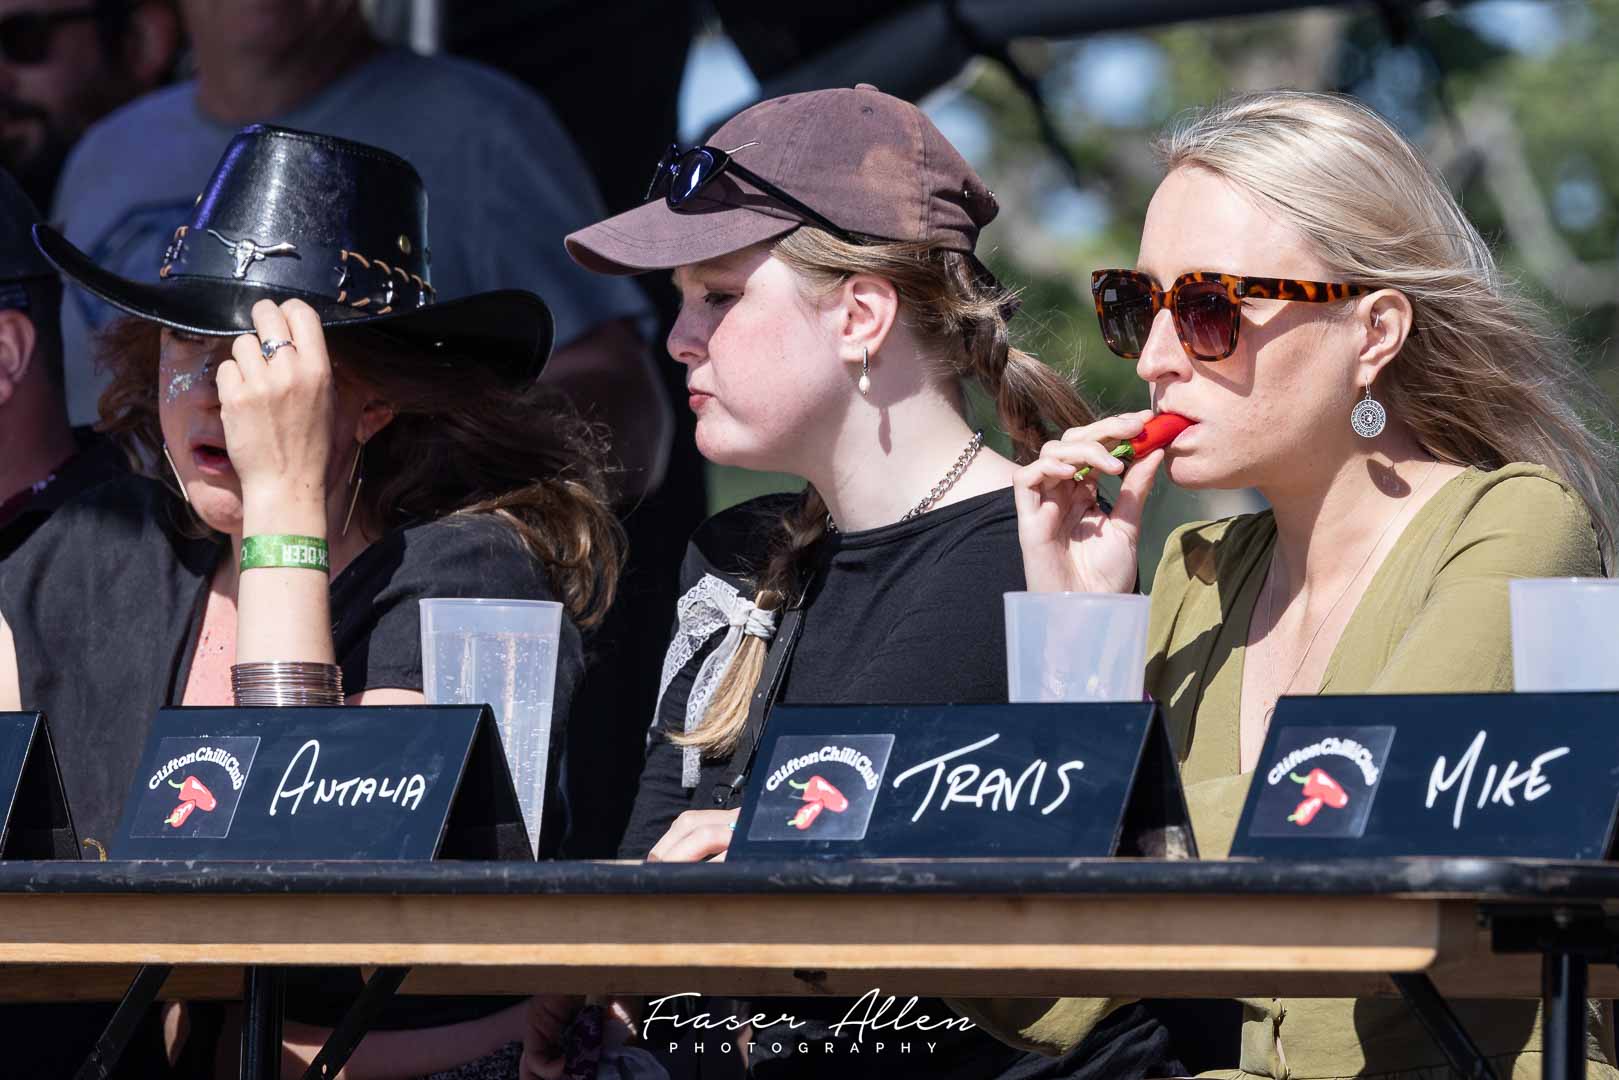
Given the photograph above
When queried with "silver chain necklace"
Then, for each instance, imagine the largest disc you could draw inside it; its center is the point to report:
(974, 444)
(1270, 599)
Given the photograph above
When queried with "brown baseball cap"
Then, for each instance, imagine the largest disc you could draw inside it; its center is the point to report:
(868, 162)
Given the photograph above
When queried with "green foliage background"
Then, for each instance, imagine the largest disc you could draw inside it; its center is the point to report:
(1519, 105)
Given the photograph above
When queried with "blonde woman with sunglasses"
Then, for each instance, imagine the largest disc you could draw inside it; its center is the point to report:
(1314, 301)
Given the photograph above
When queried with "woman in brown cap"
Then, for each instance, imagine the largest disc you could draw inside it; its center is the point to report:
(326, 445)
(833, 319)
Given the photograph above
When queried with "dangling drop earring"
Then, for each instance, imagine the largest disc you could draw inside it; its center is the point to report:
(355, 480)
(865, 372)
(181, 483)
(1368, 416)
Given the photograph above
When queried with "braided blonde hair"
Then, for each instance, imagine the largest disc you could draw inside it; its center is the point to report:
(961, 320)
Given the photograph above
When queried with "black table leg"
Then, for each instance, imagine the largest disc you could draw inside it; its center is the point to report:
(126, 1018)
(374, 997)
(1562, 988)
(1440, 1022)
(263, 995)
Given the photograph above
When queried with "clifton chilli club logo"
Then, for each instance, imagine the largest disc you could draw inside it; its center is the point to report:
(197, 785)
(1321, 781)
(820, 787)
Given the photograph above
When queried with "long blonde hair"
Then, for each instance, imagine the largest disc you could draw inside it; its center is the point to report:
(961, 320)
(1483, 379)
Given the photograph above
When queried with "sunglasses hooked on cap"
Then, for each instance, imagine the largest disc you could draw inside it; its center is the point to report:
(857, 163)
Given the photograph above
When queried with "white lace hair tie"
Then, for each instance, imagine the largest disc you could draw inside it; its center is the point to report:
(708, 606)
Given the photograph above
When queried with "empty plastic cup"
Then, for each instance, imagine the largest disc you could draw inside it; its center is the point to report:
(502, 653)
(1075, 646)
(1565, 634)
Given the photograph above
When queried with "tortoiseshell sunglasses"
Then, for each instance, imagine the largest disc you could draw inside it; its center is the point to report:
(1207, 307)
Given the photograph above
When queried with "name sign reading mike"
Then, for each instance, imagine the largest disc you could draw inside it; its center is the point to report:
(872, 781)
(1526, 775)
(34, 818)
(372, 782)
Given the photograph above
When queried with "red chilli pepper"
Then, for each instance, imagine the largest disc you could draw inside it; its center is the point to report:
(1158, 432)
(817, 789)
(179, 815)
(194, 790)
(1305, 812)
(806, 814)
(1320, 785)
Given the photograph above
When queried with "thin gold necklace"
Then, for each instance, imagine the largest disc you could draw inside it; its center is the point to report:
(1270, 598)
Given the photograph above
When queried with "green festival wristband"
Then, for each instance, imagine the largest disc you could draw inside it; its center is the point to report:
(294, 552)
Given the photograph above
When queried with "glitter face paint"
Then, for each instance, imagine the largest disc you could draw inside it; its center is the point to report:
(183, 381)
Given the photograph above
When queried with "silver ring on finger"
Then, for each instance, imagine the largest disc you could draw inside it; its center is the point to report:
(268, 347)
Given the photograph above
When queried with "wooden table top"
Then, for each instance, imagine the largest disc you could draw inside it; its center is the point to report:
(936, 927)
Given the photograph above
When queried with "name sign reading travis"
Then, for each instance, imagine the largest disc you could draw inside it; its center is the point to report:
(34, 819)
(1530, 775)
(395, 782)
(953, 780)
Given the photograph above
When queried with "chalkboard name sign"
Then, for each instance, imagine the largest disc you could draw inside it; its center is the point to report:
(373, 782)
(963, 780)
(1528, 775)
(34, 818)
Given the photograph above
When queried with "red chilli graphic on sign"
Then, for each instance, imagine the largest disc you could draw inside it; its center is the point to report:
(194, 795)
(818, 794)
(1320, 789)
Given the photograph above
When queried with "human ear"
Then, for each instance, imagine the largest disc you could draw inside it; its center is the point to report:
(1385, 321)
(868, 307)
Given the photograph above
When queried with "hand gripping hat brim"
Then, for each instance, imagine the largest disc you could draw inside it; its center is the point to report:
(337, 224)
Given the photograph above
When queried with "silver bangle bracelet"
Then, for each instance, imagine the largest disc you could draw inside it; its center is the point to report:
(280, 683)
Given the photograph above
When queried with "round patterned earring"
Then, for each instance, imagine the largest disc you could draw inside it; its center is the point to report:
(1368, 416)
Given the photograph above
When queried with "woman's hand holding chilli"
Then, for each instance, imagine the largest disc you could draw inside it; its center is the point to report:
(278, 415)
(696, 835)
(1069, 544)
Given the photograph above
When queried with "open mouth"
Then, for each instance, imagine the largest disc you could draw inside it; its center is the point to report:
(211, 458)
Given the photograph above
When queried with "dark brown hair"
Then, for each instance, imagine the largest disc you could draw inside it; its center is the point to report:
(960, 318)
(462, 441)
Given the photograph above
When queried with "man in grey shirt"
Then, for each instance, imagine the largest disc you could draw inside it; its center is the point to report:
(504, 184)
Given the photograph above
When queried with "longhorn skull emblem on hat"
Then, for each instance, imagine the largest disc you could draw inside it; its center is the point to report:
(247, 251)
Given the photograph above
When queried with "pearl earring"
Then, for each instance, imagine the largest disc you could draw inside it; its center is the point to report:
(865, 371)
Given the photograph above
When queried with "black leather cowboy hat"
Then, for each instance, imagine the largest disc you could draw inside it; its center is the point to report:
(338, 224)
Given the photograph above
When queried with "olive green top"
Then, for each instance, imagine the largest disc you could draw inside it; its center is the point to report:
(1434, 619)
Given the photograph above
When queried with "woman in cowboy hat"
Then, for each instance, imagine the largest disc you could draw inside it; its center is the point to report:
(327, 446)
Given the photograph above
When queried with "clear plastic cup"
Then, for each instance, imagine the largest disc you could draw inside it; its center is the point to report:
(503, 653)
(1565, 634)
(1075, 646)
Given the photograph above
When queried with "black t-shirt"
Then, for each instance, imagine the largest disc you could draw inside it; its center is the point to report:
(98, 460)
(105, 603)
(907, 614)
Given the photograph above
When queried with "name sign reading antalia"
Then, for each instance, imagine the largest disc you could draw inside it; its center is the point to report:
(34, 819)
(1529, 775)
(392, 782)
(963, 780)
